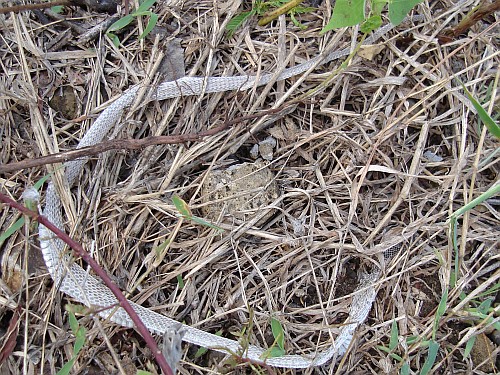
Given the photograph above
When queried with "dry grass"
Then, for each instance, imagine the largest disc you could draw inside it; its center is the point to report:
(350, 163)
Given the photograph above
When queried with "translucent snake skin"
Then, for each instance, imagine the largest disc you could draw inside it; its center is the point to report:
(79, 284)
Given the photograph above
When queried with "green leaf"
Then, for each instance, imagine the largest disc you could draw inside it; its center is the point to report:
(275, 352)
(161, 247)
(65, 370)
(182, 206)
(468, 346)
(440, 312)
(180, 281)
(73, 323)
(442, 305)
(393, 342)
(41, 181)
(121, 23)
(398, 9)
(429, 361)
(396, 357)
(491, 125)
(372, 23)
(145, 6)
(185, 212)
(405, 369)
(11, 230)
(278, 333)
(299, 9)
(489, 291)
(153, 19)
(485, 306)
(77, 309)
(378, 6)
(346, 13)
(142, 372)
(57, 9)
(114, 39)
(203, 350)
(143, 13)
(200, 221)
(80, 333)
(80, 340)
(237, 21)
(384, 349)
(410, 340)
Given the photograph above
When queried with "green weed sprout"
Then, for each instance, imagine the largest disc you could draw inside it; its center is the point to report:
(142, 10)
(185, 212)
(352, 12)
(278, 347)
(261, 8)
(80, 333)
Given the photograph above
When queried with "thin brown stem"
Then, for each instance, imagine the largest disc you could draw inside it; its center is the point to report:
(127, 144)
(23, 7)
(79, 251)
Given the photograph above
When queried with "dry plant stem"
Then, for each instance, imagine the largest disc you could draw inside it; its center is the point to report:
(23, 7)
(128, 144)
(485, 9)
(269, 17)
(150, 342)
(419, 149)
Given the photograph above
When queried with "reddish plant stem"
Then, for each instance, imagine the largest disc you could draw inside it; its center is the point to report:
(78, 249)
(129, 144)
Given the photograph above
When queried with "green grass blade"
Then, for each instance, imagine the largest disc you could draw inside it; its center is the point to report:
(121, 23)
(114, 38)
(275, 351)
(278, 333)
(159, 250)
(393, 343)
(200, 221)
(396, 357)
(431, 358)
(485, 306)
(80, 334)
(180, 281)
(153, 19)
(11, 230)
(492, 191)
(384, 349)
(145, 5)
(491, 125)
(440, 312)
(73, 323)
(182, 206)
(469, 346)
(65, 370)
(490, 291)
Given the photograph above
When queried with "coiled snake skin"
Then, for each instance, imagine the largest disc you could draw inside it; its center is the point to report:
(77, 283)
